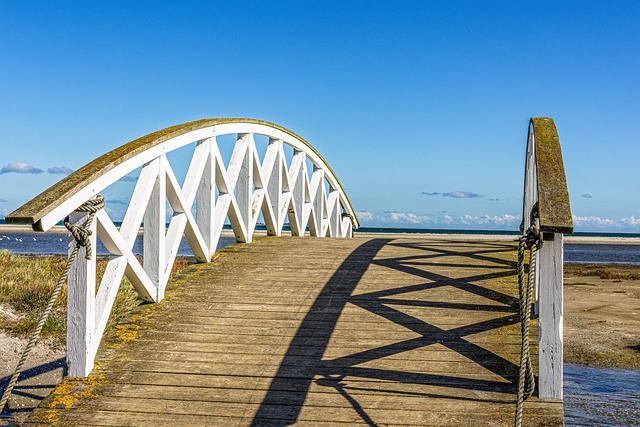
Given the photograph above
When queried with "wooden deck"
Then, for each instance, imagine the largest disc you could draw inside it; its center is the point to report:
(375, 331)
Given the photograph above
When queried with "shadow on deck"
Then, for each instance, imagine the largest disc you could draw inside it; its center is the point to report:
(334, 332)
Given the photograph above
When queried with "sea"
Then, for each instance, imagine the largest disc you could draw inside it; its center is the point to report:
(592, 396)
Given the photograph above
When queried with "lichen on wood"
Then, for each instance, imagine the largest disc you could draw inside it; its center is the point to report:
(553, 195)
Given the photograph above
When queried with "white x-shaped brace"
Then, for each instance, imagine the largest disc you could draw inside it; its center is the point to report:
(238, 192)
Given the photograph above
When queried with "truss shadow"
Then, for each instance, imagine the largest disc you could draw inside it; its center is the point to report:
(21, 389)
(299, 370)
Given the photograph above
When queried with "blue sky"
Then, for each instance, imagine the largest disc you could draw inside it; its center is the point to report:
(403, 99)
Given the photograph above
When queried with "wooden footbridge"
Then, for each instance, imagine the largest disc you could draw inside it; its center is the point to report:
(376, 330)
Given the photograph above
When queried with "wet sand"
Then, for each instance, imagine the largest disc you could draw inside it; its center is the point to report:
(602, 315)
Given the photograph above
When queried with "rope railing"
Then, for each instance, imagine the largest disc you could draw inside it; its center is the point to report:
(298, 190)
(531, 241)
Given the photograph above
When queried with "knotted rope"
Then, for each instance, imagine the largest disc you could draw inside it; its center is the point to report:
(82, 235)
(531, 240)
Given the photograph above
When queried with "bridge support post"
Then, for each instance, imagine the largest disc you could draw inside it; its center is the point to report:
(550, 321)
(81, 296)
(154, 238)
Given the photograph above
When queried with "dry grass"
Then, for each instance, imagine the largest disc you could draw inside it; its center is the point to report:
(616, 272)
(26, 283)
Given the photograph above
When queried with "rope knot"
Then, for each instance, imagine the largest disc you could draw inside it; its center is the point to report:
(82, 236)
(80, 233)
(532, 239)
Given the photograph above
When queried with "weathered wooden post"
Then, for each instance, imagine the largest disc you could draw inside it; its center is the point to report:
(546, 187)
(81, 301)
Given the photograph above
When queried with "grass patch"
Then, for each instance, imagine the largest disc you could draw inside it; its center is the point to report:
(580, 284)
(26, 284)
(606, 272)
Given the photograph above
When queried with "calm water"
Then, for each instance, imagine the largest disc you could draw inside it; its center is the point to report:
(601, 397)
(593, 396)
(587, 253)
(56, 244)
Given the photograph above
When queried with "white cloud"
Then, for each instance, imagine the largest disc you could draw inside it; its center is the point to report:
(586, 223)
(631, 221)
(461, 195)
(408, 218)
(404, 219)
(3, 212)
(586, 196)
(505, 220)
(62, 170)
(19, 167)
(365, 216)
(489, 222)
(115, 214)
(592, 221)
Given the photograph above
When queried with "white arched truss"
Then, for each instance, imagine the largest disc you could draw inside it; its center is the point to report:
(284, 192)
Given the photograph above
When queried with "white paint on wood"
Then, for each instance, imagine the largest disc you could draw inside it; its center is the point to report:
(297, 172)
(205, 199)
(154, 238)
(271, 169)
(550, 321)
(81, 303)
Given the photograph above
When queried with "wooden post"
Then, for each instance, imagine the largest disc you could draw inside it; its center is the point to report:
(244, 188)
(550, 320)
(296, 179)
(274, 188)
(81, 295)
(154, 239)
(205, 201)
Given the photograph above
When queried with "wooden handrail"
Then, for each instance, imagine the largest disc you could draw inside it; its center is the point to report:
(34, 210)
(553, 195)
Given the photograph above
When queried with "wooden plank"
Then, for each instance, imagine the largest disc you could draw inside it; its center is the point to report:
(551, 313)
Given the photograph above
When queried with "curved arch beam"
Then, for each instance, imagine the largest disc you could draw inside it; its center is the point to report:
(53, 204)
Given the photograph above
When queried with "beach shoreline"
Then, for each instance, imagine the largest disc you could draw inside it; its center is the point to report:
(59, 229)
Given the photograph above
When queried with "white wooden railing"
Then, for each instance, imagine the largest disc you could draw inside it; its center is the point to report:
(545, 185)
(212, 193)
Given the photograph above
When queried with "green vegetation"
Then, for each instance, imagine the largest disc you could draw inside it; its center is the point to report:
(26, 283)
